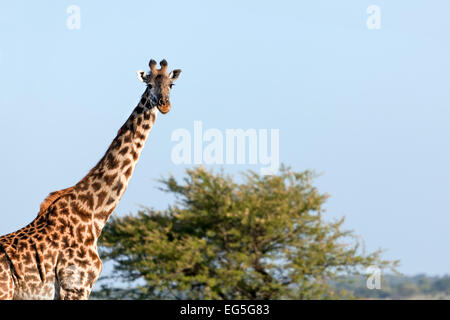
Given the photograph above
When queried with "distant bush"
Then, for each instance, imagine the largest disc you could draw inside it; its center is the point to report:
(398, 287)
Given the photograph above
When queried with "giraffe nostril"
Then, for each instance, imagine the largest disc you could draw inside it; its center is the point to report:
(162, 101)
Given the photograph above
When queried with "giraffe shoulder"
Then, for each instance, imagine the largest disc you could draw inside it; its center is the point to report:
(51, 198)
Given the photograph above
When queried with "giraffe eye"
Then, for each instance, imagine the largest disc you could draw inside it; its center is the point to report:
(149, 86)
(171, 85)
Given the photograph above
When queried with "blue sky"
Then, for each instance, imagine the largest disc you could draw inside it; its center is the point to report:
(369, 109)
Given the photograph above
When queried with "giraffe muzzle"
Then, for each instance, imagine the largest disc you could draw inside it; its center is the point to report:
(163, 106)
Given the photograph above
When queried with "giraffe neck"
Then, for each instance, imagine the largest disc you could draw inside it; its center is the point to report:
(98, 194)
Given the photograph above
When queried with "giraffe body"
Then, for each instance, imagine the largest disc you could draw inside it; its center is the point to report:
(55, 256)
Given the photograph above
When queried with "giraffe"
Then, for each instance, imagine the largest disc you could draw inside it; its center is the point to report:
(55, 256)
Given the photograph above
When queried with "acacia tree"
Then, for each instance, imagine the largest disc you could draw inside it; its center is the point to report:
(262, 238)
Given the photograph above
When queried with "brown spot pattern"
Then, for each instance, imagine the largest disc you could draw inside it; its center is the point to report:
(61, 241)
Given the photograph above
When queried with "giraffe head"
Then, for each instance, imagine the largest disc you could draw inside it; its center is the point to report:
(159, 83)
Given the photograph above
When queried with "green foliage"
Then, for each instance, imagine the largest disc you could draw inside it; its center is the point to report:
(263, 238)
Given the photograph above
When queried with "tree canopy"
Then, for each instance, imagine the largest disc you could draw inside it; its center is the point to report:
(262, 237)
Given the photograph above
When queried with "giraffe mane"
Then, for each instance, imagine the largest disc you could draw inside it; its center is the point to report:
(51, 198)
(55, 195)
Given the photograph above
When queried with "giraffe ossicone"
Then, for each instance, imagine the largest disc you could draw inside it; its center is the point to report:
(55, 256)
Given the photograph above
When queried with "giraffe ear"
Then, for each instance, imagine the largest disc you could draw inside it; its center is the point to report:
(174, 74)
(141, 75)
